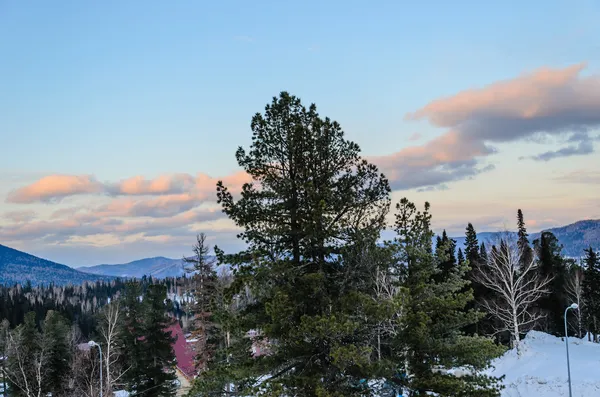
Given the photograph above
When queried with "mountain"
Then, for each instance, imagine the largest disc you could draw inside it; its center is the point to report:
(18, 267)
(574, 237)
(159, 267)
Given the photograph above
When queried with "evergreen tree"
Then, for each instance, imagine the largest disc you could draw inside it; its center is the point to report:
(591, 293)
(131, 339)
(158, 345)
(430, 341)
(460, 258)
(311, 200)
(56, 339)
(475, 259)
(551, 265)
(446, 248)
(471, 245)
(523, 241)
(204, 281)
(483, 253)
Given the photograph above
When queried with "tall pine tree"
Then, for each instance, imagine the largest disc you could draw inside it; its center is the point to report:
(158, 345)
(523, 240)
(311, 198)
(551, 264)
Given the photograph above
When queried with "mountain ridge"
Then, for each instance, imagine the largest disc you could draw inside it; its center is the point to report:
(19, 267)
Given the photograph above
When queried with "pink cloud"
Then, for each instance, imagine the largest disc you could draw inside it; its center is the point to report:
(164, 184)
(55, 187)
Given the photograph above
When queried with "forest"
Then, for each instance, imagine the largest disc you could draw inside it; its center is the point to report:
(334, 310)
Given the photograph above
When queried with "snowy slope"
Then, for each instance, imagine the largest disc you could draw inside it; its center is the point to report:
(541, 370)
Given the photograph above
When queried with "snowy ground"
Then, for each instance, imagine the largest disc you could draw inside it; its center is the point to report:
(541, 370)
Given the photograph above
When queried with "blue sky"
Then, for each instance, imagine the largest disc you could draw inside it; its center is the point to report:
(122, 89)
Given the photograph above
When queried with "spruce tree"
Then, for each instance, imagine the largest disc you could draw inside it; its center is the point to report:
(523, 240)
(591, 293)
(131, 339)
(312, 198)
(446, 248)
(460, 258)
(551, 264)
(483, 253)
(475, 259)
(430, 341)
(158, 345)
(55, 338)
(204, 282)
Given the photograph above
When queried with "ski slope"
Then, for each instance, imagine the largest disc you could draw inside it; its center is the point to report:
(541, 369)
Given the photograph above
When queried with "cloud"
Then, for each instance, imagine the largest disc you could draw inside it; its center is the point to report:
(88, 223)
(20, 216)
(54, 187)
(533, 106)
(580, 176)
(177, 187)
(583, 147)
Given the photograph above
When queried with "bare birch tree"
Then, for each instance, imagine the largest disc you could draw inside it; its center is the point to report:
(110, 318)
(28, 369)
(516, 287)
(574, 290)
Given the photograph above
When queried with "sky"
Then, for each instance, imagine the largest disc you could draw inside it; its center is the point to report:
(117, 118)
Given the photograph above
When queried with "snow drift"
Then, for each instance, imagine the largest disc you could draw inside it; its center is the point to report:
(541, 369)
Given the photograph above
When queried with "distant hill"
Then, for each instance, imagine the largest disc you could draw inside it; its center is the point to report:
(159, 267)
(18, 267)
(574, 237)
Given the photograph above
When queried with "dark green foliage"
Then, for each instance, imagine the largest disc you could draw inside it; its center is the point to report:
(312, 200)
(204, 289)
(445, 248)
(147, 343)
(551, 264)
(476, 257)
(460, 258)
(159, 356)
(591, 292)
(430, 338)
(523, 240)
(131, 339)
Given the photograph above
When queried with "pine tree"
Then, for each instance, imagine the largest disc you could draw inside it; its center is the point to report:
(523, 241)
(158, 345)
(483, 253)
(475, 258)
(204, 280)
(551, 265)
(131, 339)
(591, 292)
(460, 258)
(446, 248)
(430, 341)
(311, 199)
(55, 337)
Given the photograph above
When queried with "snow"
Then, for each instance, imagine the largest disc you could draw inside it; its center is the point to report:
(541, 368)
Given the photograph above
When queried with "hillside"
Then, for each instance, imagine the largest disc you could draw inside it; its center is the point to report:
(541, 369)
(574, 237)
(18, 267)
(159, 267)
